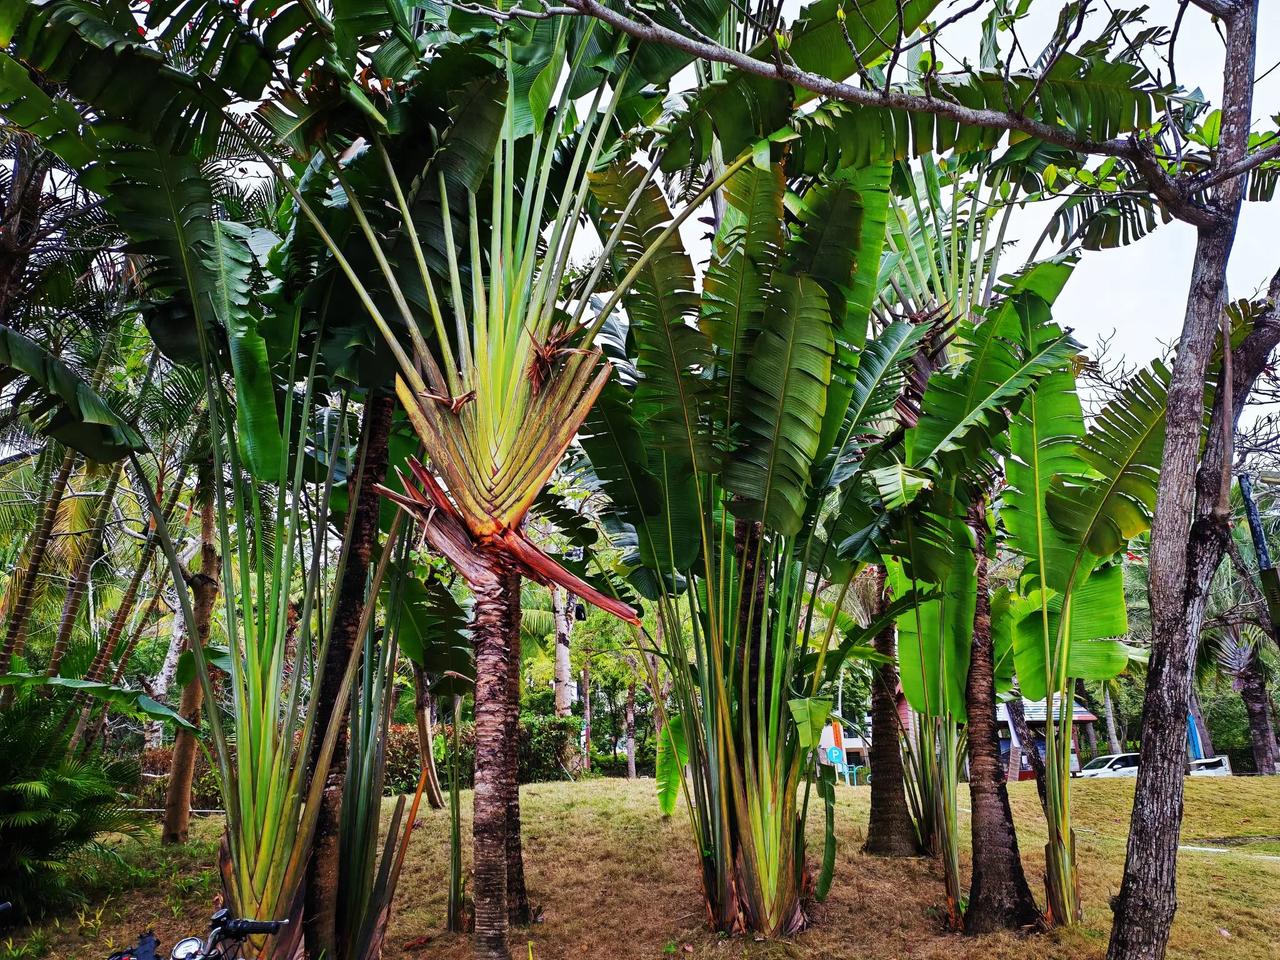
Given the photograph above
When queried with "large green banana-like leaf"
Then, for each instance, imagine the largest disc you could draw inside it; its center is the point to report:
(258, 425)
(785, 400)
(55, 123)
(1111, 500)
(733, 292)
(64, 406)
(673, 754)
(966, 412)
(935, 636)
(675, 404)
(431, 628)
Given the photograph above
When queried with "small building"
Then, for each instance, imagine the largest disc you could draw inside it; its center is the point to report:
(1015, 753)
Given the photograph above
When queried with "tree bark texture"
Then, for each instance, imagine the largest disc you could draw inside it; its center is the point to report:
(16, 627)
(80, 579)
(204, 589)
(1113, 738)
(1253, 691)
(1018, 720)
(999, 896)
(154, 730)
(323, 926)
(491, 619)
(890, 831)
(586, 711)
(517, 893)
(1188, 534)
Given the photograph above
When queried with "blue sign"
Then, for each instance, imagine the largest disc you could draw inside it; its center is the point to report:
(835, 754)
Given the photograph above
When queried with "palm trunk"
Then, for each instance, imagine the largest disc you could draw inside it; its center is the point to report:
(92, 734)
(204, 589)
(630, 722)
(999, 896)
(323, 879)
(890, 832)
(20, 221)
(517, 893)
(80, 579)
(16, 627)
(1253, 691)
(422, 706)
(562, 609)
(1113, 738)
(108, 648)
(491, 619)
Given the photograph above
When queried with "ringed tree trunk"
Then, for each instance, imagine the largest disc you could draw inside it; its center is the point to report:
(1253, 691)
(423, 704)
(517, 893)
(491, 619)
(204, 589)
(323, 879)
(562, 610)
(16, 627)
(999, 896)
(890, 831)
(80, 579)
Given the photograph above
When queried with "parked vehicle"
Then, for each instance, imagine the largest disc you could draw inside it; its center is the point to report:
(1211, 767)
(1111, 765)
(226, 933)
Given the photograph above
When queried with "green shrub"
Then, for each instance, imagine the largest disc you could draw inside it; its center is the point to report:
(54, 808)
(206, 792)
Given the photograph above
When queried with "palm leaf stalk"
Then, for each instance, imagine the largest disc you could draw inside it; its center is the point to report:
(720, 466)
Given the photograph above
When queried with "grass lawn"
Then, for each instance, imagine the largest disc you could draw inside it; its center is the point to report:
(616, 881)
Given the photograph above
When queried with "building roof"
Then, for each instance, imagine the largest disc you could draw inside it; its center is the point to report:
(1034, 710)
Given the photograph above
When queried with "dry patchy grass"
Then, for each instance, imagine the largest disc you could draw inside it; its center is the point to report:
(616, 881)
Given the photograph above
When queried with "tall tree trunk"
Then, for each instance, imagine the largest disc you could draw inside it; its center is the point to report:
(1090, 728)
(491, 619)
(890, 832)
(562, 612)
(16, 627)
(323, 880)
(1018, 720)
(204, 589)
(154, 730)
(422, 707)
(108, 647)
(1253, 691)
(517, 893)
(1188, 535)
(1202, 728)
(1113, 738)
(95, 731)
(586, 711)
(999, 896)
(80, 579)
(631, 729)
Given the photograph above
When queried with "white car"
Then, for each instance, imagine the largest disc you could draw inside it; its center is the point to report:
(1211, 767)
(1112, 765)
